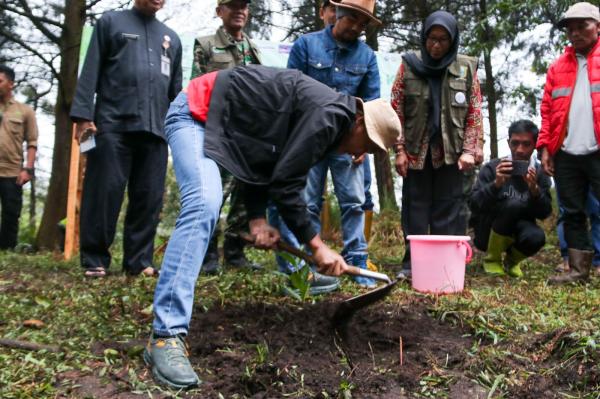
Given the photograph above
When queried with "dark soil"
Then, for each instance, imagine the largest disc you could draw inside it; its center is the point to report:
(284, 350)
(305, 355)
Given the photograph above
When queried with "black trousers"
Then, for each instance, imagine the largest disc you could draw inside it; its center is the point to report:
(11, 199)
(138, 161)
(433, 203)
(236, 222)
(529, 237)
(575, 175)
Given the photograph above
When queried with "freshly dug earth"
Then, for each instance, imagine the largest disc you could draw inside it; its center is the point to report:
(267, 351)
(262, 350)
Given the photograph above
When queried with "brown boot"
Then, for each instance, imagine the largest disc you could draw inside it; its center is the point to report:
(580, 263)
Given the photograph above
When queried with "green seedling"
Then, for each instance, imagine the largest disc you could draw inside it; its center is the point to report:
(299, 278)
(262, 353)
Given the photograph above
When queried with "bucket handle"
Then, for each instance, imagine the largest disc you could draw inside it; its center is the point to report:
(469, 251)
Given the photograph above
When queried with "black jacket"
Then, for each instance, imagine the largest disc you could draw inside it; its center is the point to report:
(268, 127)
(123, 68)
(488, 202)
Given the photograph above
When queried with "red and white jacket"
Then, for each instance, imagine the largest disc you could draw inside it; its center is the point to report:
(558, 91)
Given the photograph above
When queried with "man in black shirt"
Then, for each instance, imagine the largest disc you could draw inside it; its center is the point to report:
(133, 67)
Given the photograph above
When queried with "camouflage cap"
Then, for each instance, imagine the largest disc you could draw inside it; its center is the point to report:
(219, 2)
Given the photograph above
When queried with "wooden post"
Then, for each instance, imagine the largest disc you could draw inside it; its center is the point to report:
(72, 231)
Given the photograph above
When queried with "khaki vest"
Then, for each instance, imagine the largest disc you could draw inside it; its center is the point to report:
(456, 92)
(222, 52)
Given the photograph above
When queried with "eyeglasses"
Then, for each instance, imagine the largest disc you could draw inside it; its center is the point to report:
(438, 40)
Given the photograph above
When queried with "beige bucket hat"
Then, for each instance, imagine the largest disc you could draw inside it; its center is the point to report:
(365, 7)
(582, 10)
(382, 123)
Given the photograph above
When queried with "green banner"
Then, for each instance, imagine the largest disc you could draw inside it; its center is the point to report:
(86, 36)
(273, 54)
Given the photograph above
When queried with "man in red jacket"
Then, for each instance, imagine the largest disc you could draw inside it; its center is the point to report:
(568, 141)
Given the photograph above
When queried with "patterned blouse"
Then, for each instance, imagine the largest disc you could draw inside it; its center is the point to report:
(473, 141)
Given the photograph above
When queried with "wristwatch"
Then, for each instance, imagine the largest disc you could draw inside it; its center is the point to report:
(30, 171)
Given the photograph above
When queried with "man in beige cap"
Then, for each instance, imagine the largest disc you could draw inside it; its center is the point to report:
(570, 135)
(267, 127)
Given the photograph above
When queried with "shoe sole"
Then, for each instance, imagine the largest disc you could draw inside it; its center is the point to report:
(364, 282)
(292, 292)
(495, 273)
(323, 289)
(162, 380)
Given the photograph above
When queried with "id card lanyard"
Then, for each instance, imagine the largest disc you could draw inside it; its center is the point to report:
(165, 61)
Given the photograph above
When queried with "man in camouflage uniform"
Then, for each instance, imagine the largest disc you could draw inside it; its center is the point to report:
(227, 48)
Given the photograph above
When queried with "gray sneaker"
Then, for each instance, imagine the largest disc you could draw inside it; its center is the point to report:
(319, 284)
(322, 284)
(168, 358)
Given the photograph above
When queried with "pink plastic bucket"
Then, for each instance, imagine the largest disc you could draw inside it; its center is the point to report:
(438, 262)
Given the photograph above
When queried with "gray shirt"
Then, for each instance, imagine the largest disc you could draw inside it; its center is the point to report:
(581, 139)
(133, 66)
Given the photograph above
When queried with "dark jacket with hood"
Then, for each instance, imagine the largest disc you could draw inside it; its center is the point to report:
(488, 202)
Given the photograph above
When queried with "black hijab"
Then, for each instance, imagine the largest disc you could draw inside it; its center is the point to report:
(431, 70)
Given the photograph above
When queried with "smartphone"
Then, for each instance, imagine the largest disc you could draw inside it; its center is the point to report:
(519, 167)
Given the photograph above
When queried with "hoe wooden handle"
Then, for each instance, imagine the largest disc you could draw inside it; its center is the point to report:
(353, 270)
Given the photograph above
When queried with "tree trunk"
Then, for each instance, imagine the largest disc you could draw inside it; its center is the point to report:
(385, 181)
(32, 203)
(383, 167)
(56, 201)
(490, 87)
(490, 90)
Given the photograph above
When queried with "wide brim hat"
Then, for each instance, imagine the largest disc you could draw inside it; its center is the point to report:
(382, 123)
(362, 6)
(582, 10)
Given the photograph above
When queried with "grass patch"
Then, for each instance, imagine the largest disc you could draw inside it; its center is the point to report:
(526, 336)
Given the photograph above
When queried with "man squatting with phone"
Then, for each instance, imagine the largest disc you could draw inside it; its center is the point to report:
(508, 197)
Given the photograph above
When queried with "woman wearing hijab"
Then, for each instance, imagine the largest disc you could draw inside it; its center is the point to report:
(438, 100)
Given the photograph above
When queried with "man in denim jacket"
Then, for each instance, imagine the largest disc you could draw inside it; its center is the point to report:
(336, 57)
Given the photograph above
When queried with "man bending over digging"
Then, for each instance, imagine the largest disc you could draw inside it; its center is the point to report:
(267, 127)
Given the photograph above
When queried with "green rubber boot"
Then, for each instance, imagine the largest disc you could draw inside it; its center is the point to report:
(512, 262)
(497, 244)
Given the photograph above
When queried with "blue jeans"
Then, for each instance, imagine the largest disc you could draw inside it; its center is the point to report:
(276, 221)
(201, 192)
(593, 212)
(368, 205)
(348, 183)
